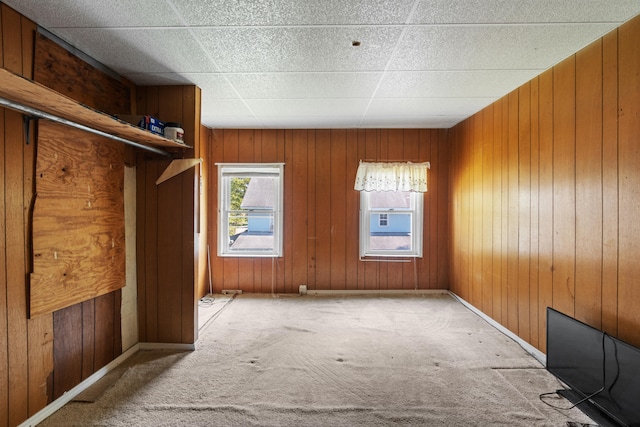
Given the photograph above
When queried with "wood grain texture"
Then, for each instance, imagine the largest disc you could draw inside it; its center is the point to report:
(322, 209)
(169, 247)
(60, 70)
(570, 239)
(629, 181)
(80, 180)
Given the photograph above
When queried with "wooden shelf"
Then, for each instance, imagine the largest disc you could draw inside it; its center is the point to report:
(34, 95)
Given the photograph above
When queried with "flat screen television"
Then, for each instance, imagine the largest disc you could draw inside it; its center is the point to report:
(599, 368)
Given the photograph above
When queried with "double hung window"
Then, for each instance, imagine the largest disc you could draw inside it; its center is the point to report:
(250, 210)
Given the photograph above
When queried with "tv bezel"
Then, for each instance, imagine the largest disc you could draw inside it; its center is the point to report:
(609, 351)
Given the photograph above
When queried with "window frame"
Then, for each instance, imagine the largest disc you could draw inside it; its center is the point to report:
(416, 210)
(227, 171)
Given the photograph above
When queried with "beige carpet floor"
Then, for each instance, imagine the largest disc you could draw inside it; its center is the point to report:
(331, 361)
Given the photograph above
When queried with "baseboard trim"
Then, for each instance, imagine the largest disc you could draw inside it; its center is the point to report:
(166, 346)
(68, 396)
(537, 354)
(377, 292)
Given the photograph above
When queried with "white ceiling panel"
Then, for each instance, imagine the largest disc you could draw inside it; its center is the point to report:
(97, 14)
(291, 63)
(310, 122)
(286, 49)
(293, 12)
(405, 121)
(305, 85)
(128, 50)
(426, 106)
(471, 47)
(511, 11)
(308, 107)
(456, 84)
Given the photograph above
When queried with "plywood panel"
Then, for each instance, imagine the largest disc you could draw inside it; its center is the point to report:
(61, 71)
(79, 184)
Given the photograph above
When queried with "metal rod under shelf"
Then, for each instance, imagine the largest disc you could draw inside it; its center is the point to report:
(44, 115)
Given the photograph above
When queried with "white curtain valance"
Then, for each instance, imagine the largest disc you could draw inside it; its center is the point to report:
(392, 176)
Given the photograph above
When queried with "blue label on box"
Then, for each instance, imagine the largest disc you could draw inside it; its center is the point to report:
(152, 124)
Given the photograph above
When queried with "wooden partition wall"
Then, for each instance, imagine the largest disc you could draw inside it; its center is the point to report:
(168, 233)
(545, 196)
(321, 209)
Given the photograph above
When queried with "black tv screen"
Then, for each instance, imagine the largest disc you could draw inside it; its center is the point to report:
(595, 364)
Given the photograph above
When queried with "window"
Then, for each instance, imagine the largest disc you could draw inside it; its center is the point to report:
(391, 223)
(250, 210)
(391, 200)
(383, 220)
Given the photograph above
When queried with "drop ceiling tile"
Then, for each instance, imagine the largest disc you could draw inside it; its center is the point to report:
(231, 122)
(159, 79)
(427, 106)
(451, 84)
(292, 49)
(213, 85)
(308, 107)
(226, 107)
(510, 11)
(305, 85)
(310, 122)
(293, 12)
(92, 13)
(492, 47)
(419, 122)
(140, 50)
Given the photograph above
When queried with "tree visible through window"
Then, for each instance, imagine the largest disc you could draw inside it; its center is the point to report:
(250, 209)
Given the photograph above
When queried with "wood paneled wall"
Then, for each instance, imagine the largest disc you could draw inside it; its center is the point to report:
(26, 346)
(35, 368)
(168, 237)
(545, 194)
(321, 209)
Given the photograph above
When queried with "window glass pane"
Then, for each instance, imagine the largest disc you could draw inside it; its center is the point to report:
(250, 220)
(390, 200)
(394, 236)
(391, 224)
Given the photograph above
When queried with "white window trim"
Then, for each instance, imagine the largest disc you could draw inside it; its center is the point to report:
(248, 169)
(386, 220)
(417, 209)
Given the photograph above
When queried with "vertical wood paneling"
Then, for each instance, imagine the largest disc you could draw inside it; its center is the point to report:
(534, 272)
(564, 193)
(299, 213)
(588, 301)
(487, 211)
(629, 190)
(323, 215)
(513, 213)
(524, 210)
(565, 148)
(545, 231)
(610, 183)
(322, 209)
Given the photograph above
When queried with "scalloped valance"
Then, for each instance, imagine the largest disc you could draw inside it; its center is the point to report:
(392, 176)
